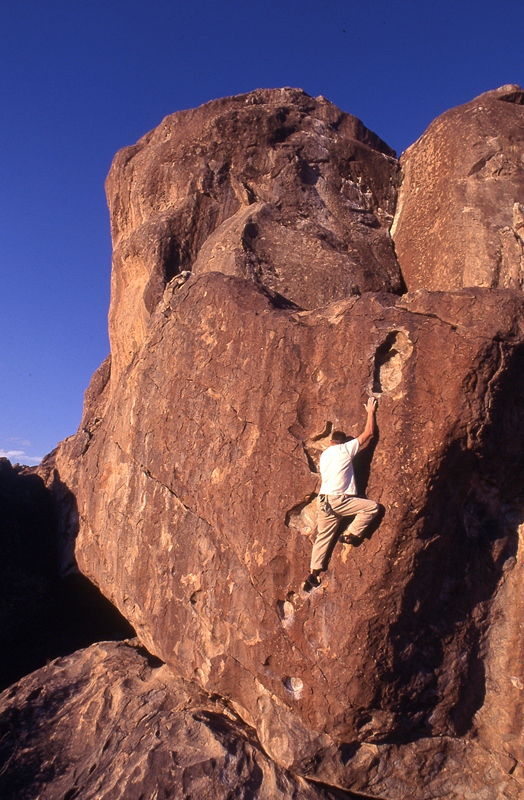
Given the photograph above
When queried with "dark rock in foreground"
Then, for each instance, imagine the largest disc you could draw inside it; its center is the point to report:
(111, 723)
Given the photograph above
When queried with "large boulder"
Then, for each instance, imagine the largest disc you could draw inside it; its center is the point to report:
(460, 213)
(273, 185)
(195, 495)
(194, 470)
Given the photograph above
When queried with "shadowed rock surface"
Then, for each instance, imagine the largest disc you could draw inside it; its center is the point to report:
(109, 723)
(42, 614)
(460, 213)
(194, 469)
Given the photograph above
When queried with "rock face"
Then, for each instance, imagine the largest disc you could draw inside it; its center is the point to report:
(108, 723)
(195, 465)
(460, 215)
(195, 520)
(274, 186)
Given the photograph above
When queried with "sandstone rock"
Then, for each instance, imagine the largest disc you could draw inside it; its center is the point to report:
(460, 209)
(253, 310)
(109, 723)
(273, 185)
(194, 491)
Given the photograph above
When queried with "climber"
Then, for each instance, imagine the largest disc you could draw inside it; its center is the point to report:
(338, 495)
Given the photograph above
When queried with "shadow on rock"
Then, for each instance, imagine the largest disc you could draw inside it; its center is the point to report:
(42, 614)
(435, 679)
(30, 768)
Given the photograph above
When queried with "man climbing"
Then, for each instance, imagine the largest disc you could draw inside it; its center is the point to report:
(338, 495)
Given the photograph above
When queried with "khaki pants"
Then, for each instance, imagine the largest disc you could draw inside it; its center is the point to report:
(343, 506)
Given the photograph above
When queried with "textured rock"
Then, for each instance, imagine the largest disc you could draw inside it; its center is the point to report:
(194, 469)
(273, 185)
(108, 723)
(195, 522)
(460, 214)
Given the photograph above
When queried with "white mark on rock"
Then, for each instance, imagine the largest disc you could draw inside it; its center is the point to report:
(294, 685)
(286, 612)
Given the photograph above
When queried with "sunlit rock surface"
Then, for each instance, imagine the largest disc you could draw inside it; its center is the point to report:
(460, 214)
(274, 186)
(194, 470)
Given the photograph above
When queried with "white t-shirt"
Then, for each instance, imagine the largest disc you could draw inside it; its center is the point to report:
(336, 468)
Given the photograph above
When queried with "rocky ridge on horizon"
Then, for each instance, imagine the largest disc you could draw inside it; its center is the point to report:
(257, 298)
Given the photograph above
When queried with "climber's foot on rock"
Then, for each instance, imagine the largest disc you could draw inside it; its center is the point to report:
(313, 581)
(350, 538)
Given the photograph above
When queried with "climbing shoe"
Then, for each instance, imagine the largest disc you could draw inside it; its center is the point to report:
(312, 582)
(349, 538)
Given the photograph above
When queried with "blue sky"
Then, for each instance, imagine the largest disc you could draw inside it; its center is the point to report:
(79, 80)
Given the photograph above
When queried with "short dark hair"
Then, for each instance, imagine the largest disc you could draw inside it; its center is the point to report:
(339, 437)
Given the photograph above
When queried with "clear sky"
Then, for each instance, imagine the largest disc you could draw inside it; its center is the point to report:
(79, 80)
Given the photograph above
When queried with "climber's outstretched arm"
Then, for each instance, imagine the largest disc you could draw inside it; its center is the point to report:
(369, 431)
